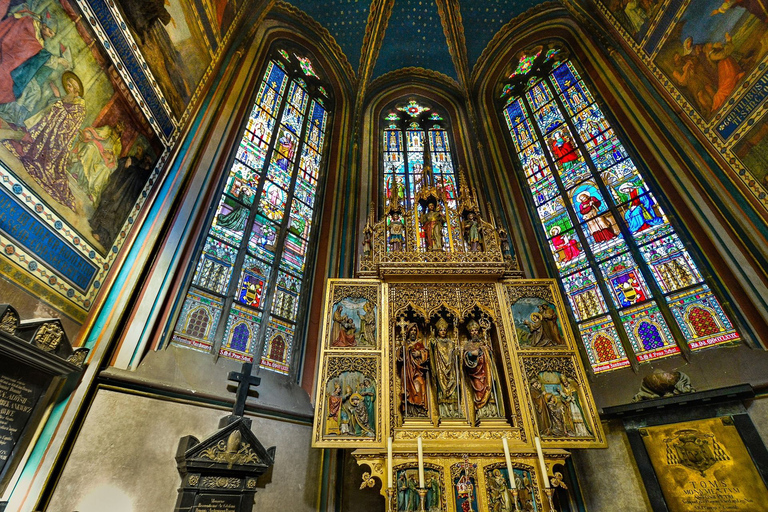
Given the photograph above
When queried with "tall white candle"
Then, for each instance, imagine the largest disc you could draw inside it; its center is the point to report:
(389, 463)
(510, 469)
(542, 463)
(421, 464)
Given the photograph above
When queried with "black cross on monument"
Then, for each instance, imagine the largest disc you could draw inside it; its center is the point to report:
(244, 381)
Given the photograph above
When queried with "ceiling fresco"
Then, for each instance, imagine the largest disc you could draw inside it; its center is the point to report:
(414, 34)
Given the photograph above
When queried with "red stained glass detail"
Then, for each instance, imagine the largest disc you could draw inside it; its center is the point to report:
(702, 322)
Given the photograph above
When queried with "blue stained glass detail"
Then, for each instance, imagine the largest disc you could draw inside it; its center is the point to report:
(549, 117)
(297, 96)
(539, 95)
(252, 154)
(263, 238)
(576, 98)
(620, 177)
(590, 124)
(644, 217)
(306, 186)
(319, 116)
(551, 209)
(272, 202)
(513, 113)
(522, 135)
(240, 336)
(253, 279)
(533, 160)
(624, 280)
(292, 120)
(310, 161)
(564, 77)
(572, 169)
(607, 152)
(588, 201)
(260, 124)
(276, 77)
(300, 219)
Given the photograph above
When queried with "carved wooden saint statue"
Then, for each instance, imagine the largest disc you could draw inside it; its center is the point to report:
(415, 358)
(445, 366)
(478, 365)
(472, 232)
(432, 221)
(396, 239)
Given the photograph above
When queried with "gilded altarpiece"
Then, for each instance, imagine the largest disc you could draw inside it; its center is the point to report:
(442, 341)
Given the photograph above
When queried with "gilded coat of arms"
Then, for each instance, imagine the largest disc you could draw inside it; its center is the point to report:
(694, 450)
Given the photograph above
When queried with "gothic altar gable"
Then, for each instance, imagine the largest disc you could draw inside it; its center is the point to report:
(441, 343)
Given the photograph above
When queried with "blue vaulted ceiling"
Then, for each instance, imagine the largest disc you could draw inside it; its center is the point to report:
(414, 37)
(344, 19)
(414, 34)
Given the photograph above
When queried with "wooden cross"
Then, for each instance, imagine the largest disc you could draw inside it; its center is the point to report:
(244, 381)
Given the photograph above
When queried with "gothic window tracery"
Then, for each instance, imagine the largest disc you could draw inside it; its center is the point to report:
(253, 266)
(628, 276)
(415, 134)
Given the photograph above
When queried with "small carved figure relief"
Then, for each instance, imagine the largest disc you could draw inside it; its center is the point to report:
(408, 498)
(472, 235)
(557, 406)
(445, 369)
(464, 476)
(433, 222)
(351, 405)
(396, 238)
(9, 322)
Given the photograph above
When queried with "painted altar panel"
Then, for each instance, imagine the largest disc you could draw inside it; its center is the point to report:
(538, 315)
(709, 58)
(703, 466)
(351, 389)
(563, 410)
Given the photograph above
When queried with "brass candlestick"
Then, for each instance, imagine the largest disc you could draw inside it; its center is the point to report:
(515, 492)
(422, 498)
(391, 504)
(550, 492)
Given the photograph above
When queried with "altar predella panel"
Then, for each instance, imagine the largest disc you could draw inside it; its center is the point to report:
(709, 57)
(703, 466)
(474, 361)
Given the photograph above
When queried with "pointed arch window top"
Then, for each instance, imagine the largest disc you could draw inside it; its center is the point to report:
(306, 66)
(413, 108)
(530, 65)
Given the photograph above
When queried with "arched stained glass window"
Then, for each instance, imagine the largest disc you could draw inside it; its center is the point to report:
(252, 270)
(633, 287)
(415, 135)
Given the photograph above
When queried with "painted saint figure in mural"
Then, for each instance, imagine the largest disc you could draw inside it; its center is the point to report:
(600, 228)
(44, 147)
(97, 151)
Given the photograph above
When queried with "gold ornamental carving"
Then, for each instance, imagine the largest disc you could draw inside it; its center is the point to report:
(49, 336)
(9, 322)
(232, 451)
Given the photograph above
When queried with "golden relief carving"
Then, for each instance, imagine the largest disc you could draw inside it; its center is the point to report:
(232, 451)
(9, 322)
(49, 336)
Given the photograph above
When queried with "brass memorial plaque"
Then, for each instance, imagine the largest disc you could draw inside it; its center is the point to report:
(703, 466)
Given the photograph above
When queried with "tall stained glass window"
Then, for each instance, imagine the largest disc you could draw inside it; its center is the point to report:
(249, 278)
(415, 135)
(634, 289)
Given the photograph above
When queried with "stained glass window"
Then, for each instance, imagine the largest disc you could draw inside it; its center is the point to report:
(244, 294)
(414, 135)
(634, 288)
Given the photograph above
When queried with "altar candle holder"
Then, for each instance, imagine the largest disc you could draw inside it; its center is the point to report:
(515, 493)
(422, 498)
(391, 506)
(550, 493)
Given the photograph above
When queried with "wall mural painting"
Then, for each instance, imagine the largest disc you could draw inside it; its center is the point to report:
(634, 15)
(351, 405)
(354, 323)
(170, 36)
(537, 323)
(76, 151)
(500, 498)
(558, 405)
(712, 48)
(406, 483)
(708, 55)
